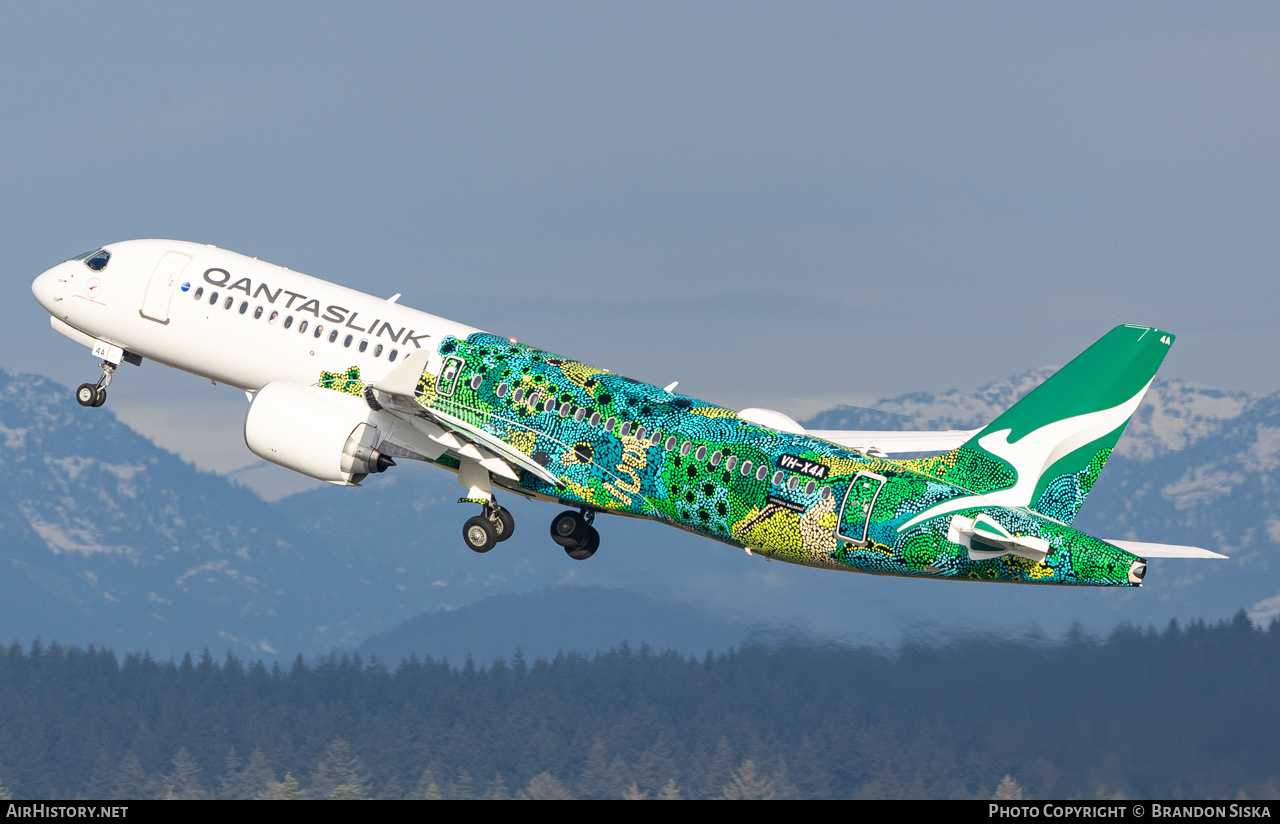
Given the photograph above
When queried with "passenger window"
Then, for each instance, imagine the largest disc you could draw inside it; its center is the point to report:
(288, 322)
(762, 473)
(477, 381)
(655, 439)
(564, 410)
(715, 458)
(393, 354)
(825, 494)
(502, 390)
(580, 414)
(364, 344)
(640, 432)
(319, 330)
(518, 396)
(333, 336)
(670, 444)
(199, 292)
(244, 306)
(549, 405)
(626, 429)
(686, 448)
(610, 423)
(730, 462)
(226, 304)
(275, 316)
(793, 482)
(595, 419)
(302, 327)
(701, 454)
(377, 351)
(346, 342)
(535, 399)
(257, 313)
(746, 468)
(777, 477)
(809, 487)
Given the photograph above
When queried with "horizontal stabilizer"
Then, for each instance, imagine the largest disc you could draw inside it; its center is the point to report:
(1145, 550)
(986, 539)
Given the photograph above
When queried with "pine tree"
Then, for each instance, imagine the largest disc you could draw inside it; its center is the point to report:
(655, 765)
(461, 788)
(102, 780)
(184, 781)
(339, 774)
(545, 787)
(747, 785)
(286, 790)
(248, 781)
(720, 768)
(131, 783)
(601, 778)
(1009, 790)
(497, 789)
(254, 777)
(428, 789)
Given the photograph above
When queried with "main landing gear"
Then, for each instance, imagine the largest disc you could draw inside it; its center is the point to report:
(95, 394)
(483, 532)
(573, 531)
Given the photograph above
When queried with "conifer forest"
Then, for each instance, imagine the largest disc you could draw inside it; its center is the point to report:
(1132, 715)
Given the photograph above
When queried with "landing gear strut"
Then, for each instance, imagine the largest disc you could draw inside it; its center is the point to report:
(95, 394)
(573, 531)
(483, 532)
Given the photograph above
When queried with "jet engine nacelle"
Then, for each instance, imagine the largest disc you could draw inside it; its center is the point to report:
(328, 435)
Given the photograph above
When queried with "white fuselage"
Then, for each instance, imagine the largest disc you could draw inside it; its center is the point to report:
(145, 302)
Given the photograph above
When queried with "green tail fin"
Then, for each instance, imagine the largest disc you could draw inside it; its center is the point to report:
(1046, 451)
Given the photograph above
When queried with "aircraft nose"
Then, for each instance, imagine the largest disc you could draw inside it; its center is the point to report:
(47, 289)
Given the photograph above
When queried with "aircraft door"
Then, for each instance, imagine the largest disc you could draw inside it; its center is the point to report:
(155, 303)
(855, 512)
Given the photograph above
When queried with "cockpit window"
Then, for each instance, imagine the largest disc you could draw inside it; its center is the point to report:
(97, 261)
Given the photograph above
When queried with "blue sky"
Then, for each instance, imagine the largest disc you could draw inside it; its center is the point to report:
(787, 205)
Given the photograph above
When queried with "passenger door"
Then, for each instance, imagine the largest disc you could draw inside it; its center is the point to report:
(855, 512)
(155, 303)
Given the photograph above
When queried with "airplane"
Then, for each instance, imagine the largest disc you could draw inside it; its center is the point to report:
(343, 385)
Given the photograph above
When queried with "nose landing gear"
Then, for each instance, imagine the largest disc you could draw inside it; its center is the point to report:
(95, 394)
(573, 531)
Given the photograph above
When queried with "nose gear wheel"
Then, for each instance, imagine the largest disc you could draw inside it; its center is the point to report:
(95, 394)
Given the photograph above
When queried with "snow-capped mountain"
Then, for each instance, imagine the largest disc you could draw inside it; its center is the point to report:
(109, 539)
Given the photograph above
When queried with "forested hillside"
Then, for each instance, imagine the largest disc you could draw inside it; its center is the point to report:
(1131, 715)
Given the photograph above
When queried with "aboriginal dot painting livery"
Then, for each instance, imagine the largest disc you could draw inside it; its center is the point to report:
(620, 445)
(343, 385)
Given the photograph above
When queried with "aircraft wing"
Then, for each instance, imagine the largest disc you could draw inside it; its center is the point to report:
(397, 392)
(1145, 550)
(881, 443)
